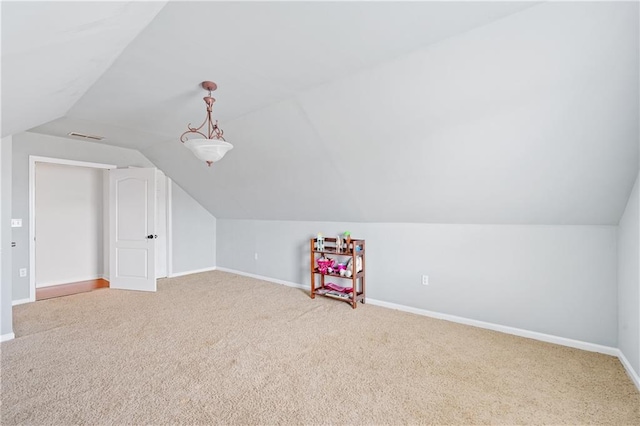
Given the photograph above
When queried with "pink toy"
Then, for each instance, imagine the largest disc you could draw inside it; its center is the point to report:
(339, 288)
(324, 264)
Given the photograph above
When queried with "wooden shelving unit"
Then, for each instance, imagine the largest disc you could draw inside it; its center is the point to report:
(354, 250)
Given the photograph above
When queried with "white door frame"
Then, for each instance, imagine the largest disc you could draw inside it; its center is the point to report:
(169, 230)
(161, 209)
(33, 159)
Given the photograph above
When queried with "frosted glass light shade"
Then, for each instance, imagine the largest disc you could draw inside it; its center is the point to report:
(209, 150)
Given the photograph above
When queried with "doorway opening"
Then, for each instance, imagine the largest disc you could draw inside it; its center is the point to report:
(69, 218)
(67, 235)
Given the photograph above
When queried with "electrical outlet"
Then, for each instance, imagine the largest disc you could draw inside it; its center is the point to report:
(425, 280)
(255, 255)
(16, 223)
(23, 272)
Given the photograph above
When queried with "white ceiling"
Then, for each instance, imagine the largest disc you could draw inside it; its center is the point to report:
(52, 52)
(392, 112)
(258, 53)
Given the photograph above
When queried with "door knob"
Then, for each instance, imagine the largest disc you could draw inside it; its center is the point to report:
(151, 236)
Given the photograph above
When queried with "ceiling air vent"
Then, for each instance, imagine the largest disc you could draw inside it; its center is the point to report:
(82, 135)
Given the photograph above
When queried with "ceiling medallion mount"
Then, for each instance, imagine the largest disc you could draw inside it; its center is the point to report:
(209, 147)
(209, 85)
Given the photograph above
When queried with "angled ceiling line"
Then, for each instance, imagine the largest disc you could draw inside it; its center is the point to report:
(126, 45)
(336, 168)
(372, 67)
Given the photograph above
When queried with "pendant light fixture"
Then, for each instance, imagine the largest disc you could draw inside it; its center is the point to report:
(209, 147)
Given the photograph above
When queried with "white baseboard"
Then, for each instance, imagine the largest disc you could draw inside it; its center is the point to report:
(635, 378)
(20, 301)
(8, 336)
(475, 323)
(195, 271)
(263, 278)
(549, 338)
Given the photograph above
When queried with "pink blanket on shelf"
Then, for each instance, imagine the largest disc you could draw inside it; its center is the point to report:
(339, 288)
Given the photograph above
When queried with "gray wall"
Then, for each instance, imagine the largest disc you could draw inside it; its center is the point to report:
(26, 144)
(193, 233)
(629, 281)
(194, 228)
(559, 280)
(6, 325)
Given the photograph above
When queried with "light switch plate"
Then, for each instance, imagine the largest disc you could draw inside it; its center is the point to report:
(16, 223)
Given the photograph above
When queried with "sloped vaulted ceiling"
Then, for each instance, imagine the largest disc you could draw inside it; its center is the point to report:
(391, 112)
(52, 52)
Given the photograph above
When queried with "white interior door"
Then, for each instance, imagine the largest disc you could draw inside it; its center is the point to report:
(132, 214)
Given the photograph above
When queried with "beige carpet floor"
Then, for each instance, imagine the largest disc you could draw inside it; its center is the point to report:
(216, 348)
